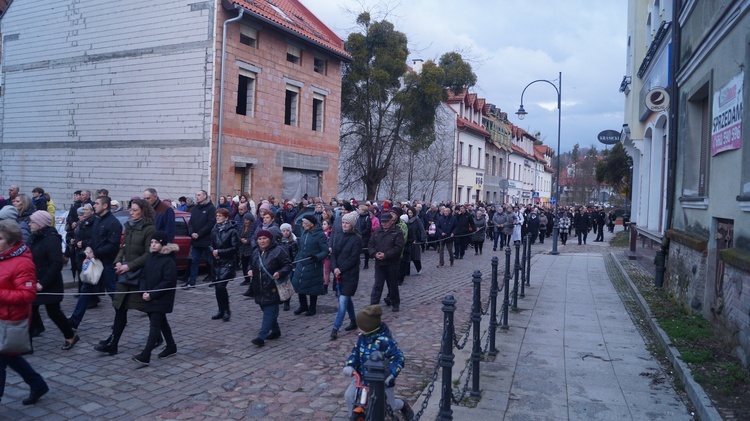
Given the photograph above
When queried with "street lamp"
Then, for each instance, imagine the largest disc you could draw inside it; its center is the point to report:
(521, 114)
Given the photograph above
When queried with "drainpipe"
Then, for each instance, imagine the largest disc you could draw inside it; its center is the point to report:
(221, 99)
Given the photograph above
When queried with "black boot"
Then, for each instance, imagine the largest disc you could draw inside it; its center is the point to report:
(227, 315)
(286, 305)
(110, 346)
(144, 358)
(218, 315)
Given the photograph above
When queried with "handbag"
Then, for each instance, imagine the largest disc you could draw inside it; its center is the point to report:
(91, 271)
(131, 278)
(283, 286)
(14, 337)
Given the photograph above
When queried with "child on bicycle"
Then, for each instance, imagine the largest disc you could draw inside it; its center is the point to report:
(375, 336)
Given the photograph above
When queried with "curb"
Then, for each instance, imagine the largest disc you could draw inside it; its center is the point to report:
(698, 397)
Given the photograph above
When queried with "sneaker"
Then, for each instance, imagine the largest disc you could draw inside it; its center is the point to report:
(407, 412)
(188, 285)
(258, 342)
(395, 308)
(419, 272)
(273, 335)
(168, 351)
(387, 301)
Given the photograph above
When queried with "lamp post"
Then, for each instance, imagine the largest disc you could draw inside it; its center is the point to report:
(521, 114)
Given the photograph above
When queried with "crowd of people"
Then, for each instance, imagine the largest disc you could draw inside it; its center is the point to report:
(333, 244)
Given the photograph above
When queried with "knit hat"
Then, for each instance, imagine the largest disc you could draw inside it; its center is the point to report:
(42, 218)
(265, 206)
(311, 219)
(264, 233)
(398, 211)
(161, 237)
(249, 216)
(369, 318)
(350, 217)
(404, 218)
(348, 207)
(8, 212)
(385, 217)
(285, 226)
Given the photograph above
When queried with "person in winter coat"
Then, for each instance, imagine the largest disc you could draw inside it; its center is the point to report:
(533, 225)
(445, 230)
(464, 230)
(289, 243)
(543, 221)
(563, 227)
(270, 263)
(582, 224)
(419, 236)
(129, 262)
(104, 242)
(200, 225)
(386, 246)
(267, 223)
(158, 280)
(225, 243)
(308, 271)
(25, 208)
(600, 220)
(345, 264)
(46, 249)
(375, 336)
(17, 292)
(499, 221)
(480, 226)
(246, 250)
(364, 229)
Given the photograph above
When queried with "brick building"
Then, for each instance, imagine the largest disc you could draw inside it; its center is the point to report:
(127, 95)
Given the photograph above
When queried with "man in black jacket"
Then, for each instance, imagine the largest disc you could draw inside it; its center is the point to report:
(202, 221)
(386, 245)
(104, 243)
(163, 213)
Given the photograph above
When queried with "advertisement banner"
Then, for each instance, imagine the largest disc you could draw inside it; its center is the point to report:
(726, 130)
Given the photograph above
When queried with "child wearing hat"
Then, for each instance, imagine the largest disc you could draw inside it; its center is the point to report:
(375, 336)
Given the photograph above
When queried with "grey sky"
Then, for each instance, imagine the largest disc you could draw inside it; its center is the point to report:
(511, 43)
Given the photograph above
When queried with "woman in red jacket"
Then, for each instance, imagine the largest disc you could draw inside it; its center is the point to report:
(17, 292)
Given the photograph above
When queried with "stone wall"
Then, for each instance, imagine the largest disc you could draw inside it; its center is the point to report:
(736, 308)
(686, 275)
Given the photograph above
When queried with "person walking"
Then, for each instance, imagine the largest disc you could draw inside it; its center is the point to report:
(445, 227)
(564, 226)
(386, 245)
(308, 271)
(601, 220)
(518, 221)
(464, 230)
(289, 243)
(345, 263)
(17, 292)
(480, 226)
(499, 220)
(158, 280)
(270, 263)
(225, 243)
(200, 225)
(128, 266)
(46, 250)
(582, 224)
(418, 235)
(543, 222)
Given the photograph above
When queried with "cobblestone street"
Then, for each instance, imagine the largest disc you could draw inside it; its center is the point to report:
(219, 374)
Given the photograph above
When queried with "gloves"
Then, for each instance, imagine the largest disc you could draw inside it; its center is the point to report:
(390, 381)
(348, 371)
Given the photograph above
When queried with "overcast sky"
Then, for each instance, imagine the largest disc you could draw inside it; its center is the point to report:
(511, 43)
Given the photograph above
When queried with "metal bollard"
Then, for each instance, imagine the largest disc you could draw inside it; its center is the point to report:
(375, 378)
(528, 268)
(516, 269)
(526, 242)
(476, 318)
(506, 288)
(446, 359)
(493, 307)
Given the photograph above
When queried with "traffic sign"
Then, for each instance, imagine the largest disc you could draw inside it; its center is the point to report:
(552, 201)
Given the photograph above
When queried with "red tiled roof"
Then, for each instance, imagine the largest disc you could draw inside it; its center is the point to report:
(519, 151)
(463, 123)
(293, 16)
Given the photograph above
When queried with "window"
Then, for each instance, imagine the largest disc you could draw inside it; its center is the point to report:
(479, 157)
(293, 54)
(469, 163)
(460, 153)
(249, 36)
(246, 93)
(291, 105)
(318, 111)
(319, 66)
(697, 141)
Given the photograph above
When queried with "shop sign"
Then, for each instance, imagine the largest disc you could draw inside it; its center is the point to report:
(726, 127)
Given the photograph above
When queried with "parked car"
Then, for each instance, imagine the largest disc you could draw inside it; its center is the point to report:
(181, 237)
